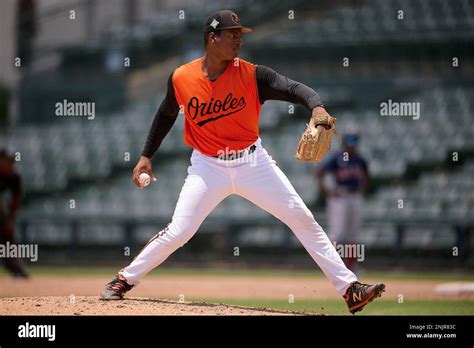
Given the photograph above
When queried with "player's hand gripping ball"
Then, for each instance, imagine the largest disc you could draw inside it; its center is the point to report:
(144, 179)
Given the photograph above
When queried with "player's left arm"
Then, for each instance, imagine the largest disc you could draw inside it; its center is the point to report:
(365, 178)
(274, 86)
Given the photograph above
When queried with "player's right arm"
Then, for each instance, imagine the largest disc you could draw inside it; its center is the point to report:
(164, 119)
(327, 167)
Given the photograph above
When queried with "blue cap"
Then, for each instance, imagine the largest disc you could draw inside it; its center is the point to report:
(351, 139)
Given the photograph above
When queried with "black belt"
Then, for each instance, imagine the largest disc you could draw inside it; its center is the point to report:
(237, 154)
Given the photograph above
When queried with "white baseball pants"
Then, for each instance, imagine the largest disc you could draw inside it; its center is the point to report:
(257, 178)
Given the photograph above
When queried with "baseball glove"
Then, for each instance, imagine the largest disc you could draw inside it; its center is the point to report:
(316, 140)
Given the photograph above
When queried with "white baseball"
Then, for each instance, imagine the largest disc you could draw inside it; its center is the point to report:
(144, 179)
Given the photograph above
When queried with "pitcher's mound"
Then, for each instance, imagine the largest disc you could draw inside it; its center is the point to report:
(87, 305)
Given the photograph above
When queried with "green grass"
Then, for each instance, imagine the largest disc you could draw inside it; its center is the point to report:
(382, 276)
(338, 307)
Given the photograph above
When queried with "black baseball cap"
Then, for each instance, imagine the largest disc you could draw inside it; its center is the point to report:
(223, 19)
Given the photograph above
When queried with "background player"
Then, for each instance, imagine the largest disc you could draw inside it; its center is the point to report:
(344, 201)
(221, 97)
(10, 197)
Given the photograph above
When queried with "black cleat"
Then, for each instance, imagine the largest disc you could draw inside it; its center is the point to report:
(358, 295)
(19, 274)
(115, 290)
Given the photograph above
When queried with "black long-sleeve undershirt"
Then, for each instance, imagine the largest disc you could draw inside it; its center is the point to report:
(164, 119)
(273, 86)
(270, 84)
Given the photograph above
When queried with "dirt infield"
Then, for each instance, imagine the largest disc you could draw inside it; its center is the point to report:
(87, 305)
(176, 287)
(51, 295)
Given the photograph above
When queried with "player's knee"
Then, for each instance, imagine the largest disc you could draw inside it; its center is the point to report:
(179, 235)
(307, 218)
(303, 218)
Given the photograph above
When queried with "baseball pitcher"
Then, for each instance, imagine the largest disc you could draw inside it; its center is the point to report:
(221, 96)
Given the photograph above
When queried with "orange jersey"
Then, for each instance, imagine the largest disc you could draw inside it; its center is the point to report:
(219, 115)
